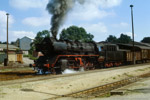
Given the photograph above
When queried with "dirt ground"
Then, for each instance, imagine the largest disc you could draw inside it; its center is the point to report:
(17, 66)
(136, 91)
(46, 89)
(27, 61)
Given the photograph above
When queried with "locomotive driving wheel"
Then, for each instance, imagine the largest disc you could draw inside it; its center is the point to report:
(58, 71)
(89, 66)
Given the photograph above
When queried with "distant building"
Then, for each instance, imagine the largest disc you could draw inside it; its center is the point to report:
(24, 44)
(14, 54)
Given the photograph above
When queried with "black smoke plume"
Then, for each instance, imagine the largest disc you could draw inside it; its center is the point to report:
(59, 10)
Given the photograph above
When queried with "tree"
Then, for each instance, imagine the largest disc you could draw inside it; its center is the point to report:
(12, 43)
(146, 40)
(124, 39)
(4, 42)
(111, 39)
(39, 37)
(76, 33)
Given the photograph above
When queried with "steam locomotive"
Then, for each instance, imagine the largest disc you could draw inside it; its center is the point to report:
(60, 55)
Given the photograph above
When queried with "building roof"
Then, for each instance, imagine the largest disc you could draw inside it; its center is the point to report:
(26, 37)
(143, 44)
(11, 47)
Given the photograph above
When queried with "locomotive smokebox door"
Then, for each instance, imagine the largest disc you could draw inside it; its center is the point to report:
(64, 64)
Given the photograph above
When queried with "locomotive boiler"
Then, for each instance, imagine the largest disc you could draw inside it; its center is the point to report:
(59, 55)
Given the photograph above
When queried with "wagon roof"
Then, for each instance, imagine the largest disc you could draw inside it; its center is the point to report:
(137, 46)
(143, 47)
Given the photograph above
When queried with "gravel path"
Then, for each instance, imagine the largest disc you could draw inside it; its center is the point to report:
(47, 89)
(27, 61)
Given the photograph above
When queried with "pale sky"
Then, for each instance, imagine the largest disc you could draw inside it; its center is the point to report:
(99, 17)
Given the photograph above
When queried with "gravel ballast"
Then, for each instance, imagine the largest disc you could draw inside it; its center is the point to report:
(45, 89)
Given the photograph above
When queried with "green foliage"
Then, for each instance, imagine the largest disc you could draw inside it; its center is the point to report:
(12, 43)
(122, 39)
(30, 57)
(39, 37)
(146, 40)
(4, 42)
(25, 55)
(32, 49)
(76, 33)
(111, 39)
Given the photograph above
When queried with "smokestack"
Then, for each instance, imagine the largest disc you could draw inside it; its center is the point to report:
(59, 9)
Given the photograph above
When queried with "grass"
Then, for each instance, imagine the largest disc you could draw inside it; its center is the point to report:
(132, 91)
(25, 55)
(16, 69)
(1, 90)
(30, 57)
(3, 93)
(128, 75)
(15, 86)
(106, 95)
(5, 70)
(141, 69)
(114, 77)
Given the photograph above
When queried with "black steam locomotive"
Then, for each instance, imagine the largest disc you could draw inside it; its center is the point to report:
(60, 55)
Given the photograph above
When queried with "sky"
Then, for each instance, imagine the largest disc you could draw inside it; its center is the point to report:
(99, 17)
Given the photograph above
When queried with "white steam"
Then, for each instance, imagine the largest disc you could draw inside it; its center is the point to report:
(70, 71)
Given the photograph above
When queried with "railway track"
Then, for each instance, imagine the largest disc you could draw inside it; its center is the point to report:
(13, 75)
(18, 76)
(8, 67)
(102, 90)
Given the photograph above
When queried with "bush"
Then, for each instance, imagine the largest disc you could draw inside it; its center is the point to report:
(25, 55)
(30, 57)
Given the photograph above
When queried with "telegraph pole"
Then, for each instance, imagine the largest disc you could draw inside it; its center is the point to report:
(132, 33)
(7, 36)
